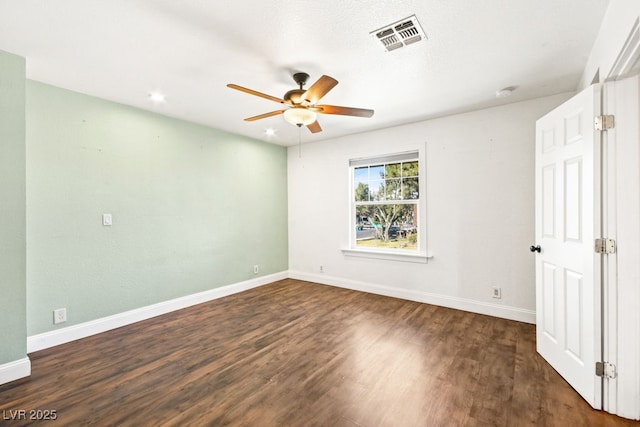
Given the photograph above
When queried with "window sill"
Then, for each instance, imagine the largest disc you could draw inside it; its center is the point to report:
(417, 257)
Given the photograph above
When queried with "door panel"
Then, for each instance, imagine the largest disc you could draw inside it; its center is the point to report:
(567, 215)
(549, 201)
(574, 322)
(573, 200)
(548, 301)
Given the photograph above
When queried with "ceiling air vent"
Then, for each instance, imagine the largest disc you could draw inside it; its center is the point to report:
(400, 33)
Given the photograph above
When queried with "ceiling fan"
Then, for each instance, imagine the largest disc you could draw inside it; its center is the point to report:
(302, 104)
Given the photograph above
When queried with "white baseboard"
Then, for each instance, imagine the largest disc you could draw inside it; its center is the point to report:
(15, 370)
(83, 330)
(480, 307)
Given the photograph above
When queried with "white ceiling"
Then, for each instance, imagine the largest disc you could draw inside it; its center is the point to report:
(189, 50)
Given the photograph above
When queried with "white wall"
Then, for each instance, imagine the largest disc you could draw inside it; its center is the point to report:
(480, 210)
(616, 25)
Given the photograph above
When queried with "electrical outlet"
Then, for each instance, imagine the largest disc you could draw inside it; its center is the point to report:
(60, 315)
(107, 220)
(256, 269)
(496, 292)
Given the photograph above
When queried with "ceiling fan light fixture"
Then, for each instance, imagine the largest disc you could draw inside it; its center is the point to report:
(301, 106)
(299, 116)
(294, 97)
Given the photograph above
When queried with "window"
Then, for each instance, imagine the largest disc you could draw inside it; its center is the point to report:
(384, 202)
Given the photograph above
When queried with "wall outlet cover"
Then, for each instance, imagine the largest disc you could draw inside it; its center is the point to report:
(59, 315)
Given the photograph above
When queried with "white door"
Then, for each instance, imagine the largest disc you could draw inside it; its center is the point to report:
(568, 313)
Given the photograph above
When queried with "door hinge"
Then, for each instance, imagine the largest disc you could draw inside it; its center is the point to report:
(604, 122)
(605, 246)
(606, 370)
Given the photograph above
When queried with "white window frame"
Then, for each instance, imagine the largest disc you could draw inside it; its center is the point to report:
(419, 255)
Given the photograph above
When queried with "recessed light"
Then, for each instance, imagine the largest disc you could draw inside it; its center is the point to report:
(156, 96)
(270, 132)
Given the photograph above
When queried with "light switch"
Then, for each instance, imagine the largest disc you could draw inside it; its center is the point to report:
(107, 219)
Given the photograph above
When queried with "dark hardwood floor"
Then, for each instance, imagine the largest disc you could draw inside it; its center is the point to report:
(294, 353)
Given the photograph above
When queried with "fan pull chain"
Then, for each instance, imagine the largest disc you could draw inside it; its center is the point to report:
(299, 141)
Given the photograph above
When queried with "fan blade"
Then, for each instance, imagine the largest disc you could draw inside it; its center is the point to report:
(256, 93)
(314, 127)
(264, 116)
(319, 89)
(344, 111)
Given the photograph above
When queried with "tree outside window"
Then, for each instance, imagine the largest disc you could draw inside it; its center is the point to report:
(385, 202)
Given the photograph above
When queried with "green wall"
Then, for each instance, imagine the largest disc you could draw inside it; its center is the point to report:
(13, 332)
(193, 208)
